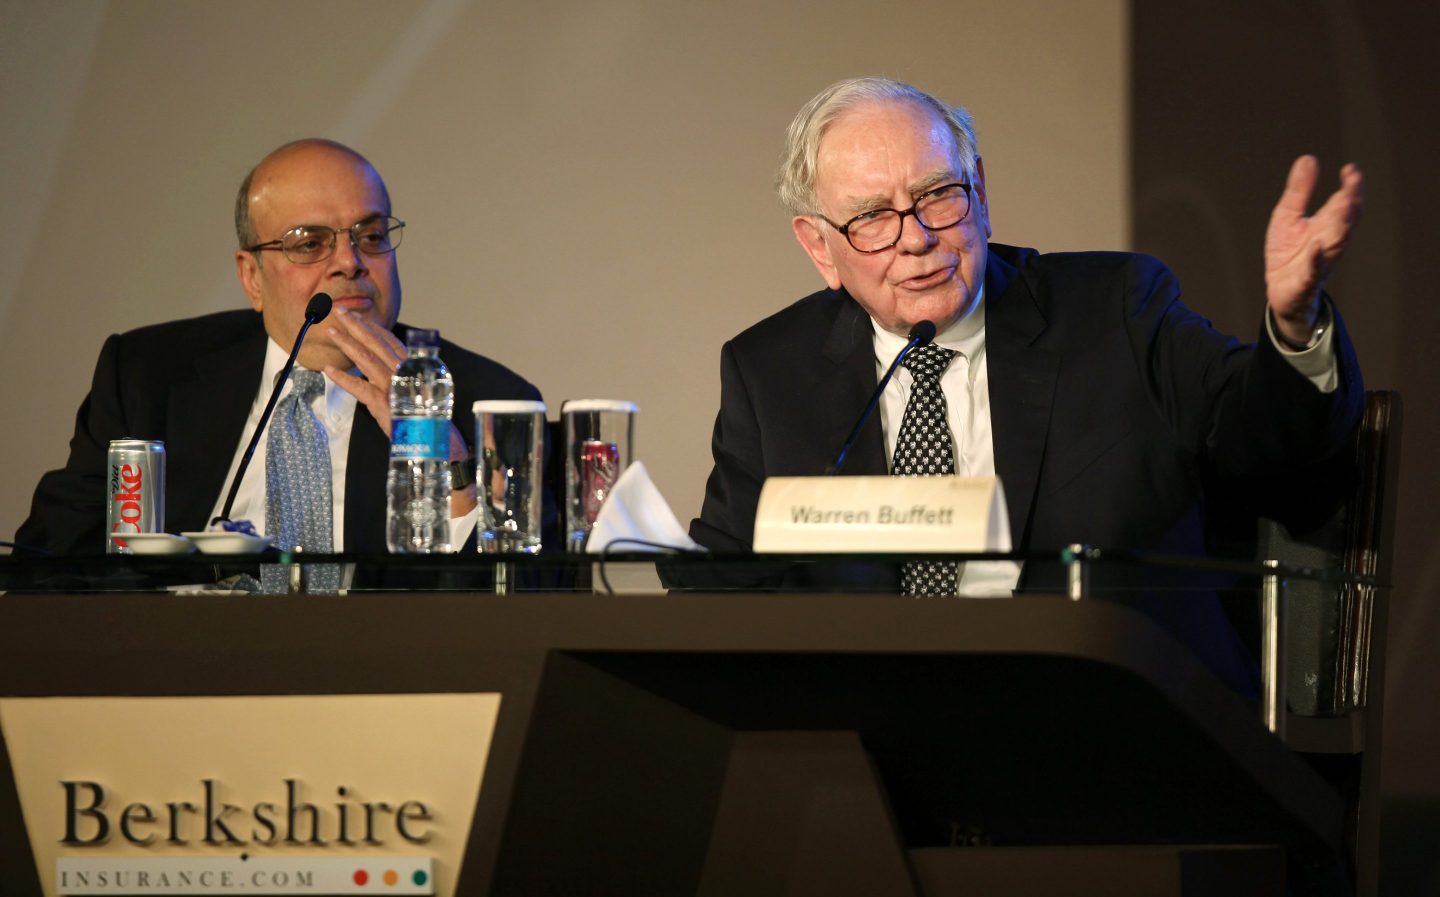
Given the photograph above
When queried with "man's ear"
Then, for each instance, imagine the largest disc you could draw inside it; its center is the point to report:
(807, 231)
(247, 268)
(982, 204)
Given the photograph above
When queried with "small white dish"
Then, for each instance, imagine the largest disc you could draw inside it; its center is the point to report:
(153, 543)
(228, 543)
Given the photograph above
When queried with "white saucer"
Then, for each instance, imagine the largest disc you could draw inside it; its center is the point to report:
(228, 543)
(154, 543)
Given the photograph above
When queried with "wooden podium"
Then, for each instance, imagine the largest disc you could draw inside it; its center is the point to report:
(757, 745)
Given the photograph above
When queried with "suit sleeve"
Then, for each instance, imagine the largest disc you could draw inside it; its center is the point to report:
(67, 514)
(1244, 409)
(727, 517)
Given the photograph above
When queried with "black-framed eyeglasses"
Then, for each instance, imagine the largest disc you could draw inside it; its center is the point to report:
(311, 243)
(879, 229)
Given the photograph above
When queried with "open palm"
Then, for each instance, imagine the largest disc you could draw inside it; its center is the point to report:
(1300, 251)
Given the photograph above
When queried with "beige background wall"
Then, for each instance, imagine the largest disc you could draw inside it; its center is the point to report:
(587, 184)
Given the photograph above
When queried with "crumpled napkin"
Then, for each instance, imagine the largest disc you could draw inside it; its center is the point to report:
(634, 509)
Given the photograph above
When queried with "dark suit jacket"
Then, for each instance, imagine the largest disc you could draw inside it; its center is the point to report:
(191, 383)
(1118, 415)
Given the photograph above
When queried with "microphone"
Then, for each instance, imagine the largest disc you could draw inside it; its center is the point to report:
(920, 335)
(923, 333)
(315, 311)
(319, 307)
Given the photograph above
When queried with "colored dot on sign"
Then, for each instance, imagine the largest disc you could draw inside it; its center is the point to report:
(361, 877)
(419, 877)
(391, 877)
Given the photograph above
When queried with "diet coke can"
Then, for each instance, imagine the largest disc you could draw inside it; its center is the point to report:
(599, 468)
(135, 476)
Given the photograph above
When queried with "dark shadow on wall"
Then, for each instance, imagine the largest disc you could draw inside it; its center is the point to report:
(1224, 96)
(1409, 832)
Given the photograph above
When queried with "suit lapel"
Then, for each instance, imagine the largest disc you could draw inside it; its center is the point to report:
(206, 418)
(365, 468)
(1022, 388)
(850, 346)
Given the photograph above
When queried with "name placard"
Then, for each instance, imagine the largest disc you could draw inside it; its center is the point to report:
(882, 514)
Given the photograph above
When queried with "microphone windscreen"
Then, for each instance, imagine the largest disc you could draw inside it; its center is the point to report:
(924, 331)
(319, 307)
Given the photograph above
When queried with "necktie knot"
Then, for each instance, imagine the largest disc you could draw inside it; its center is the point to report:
(928, 362)
(307, 384)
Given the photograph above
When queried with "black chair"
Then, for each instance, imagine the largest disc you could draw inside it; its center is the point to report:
(1335, 635)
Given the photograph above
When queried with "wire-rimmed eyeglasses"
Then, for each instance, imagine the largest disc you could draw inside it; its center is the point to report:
(311, 243)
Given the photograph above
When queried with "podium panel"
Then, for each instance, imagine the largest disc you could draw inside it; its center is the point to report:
(711, 744)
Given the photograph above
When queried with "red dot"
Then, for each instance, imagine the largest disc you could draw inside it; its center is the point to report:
(361, 876)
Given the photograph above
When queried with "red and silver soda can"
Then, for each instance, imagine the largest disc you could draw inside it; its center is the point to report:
(135, 502)
(599, 468)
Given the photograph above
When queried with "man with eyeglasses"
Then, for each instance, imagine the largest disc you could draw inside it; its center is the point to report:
(1113, 415)
(313, 216)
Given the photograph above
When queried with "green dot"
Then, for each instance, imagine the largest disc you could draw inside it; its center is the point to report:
(419, 877)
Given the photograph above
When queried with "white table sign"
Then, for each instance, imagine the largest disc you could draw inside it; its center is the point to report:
(877, 515)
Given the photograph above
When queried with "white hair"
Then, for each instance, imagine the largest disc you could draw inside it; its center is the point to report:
(796, 181)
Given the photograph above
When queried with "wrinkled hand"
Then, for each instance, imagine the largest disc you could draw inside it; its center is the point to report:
(377, 353)
(1301, 251)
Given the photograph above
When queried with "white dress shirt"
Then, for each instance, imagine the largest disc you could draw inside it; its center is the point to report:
(966, 384)
(336, 411)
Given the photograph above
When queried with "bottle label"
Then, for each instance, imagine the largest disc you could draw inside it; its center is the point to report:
(420, 438)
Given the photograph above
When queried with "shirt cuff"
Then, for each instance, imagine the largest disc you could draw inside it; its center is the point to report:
(1316, 363)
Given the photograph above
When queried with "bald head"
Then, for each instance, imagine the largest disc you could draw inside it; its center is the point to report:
(256, 178)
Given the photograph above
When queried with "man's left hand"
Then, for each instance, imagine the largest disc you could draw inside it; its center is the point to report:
(1300, 251)
(377, 353)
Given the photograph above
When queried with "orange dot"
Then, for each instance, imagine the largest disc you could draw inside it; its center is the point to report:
(391, 877)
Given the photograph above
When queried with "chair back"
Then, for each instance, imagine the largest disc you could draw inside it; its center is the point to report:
(1332, 632)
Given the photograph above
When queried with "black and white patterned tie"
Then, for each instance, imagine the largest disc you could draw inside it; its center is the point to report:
(299, 508)
(924, 448)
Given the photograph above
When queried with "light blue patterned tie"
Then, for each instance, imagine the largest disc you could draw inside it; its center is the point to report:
(299, 507)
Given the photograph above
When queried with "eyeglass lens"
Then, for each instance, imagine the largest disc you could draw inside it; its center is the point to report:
(881, 229)
(313, 243)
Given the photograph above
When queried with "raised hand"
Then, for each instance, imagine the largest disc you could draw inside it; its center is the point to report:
(1301, 251)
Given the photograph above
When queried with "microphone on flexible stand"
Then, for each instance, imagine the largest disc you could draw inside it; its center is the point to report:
(921, 334)
(315, 312)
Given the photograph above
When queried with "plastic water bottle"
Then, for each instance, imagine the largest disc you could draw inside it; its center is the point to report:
(422, 395)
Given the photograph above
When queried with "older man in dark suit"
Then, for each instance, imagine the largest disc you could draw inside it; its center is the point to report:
(1111, 413)
(313, 216)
